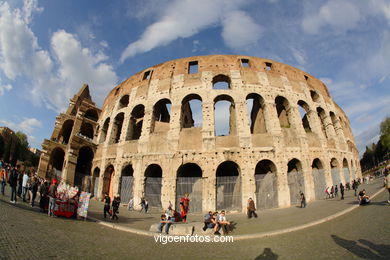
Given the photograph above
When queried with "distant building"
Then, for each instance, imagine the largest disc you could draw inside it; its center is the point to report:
(8, 145)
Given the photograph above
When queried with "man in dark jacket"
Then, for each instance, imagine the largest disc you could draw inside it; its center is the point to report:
(13, 181)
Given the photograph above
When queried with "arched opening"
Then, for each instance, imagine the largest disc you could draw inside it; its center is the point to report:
(353, 170)
(104, 130)
(334, 165)
(123, 102)
(83, 168)
(108, 180)
(295, 180)
(134, 130)
(66, 131)
(314, 96)
(266, 185)
(86, 130)
(96, 176)
(153, 183)
(318, 173)
(57, 163)
(224, 116)
(346, 171)
(191, 111)
(322, 115)
(334, 120)
(303, 111)
(189, 179)
(228, 186)
(126, 183)
(255, 104)
(221, 82)
(161, 116)
(117, 128)
(91, 114)
(282, 107)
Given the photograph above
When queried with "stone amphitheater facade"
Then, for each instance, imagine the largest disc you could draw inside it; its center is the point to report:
(284, 135)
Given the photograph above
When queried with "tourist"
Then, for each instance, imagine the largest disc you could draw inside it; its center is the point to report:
(363, 197)
(107, 202)
(13, 182)
(164, 222)
(251, 209)
(24, 185)
(327, 193)
(303, 200)
(184, 206)
(52, 197)
(342, 190)
(34, 190)
(43, 191)
(388, 184)
(336, 191)
(207, 220)
(143, 205)
(20, 184)
(115, 207)
(222, 223)
(355, 186)
(130, 206)
(3, 179)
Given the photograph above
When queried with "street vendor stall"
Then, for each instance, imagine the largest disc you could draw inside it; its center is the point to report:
(66, 201)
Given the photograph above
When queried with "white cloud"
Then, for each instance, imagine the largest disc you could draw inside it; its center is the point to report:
(4, 88)
(340, 15)
(239, 30)
(299, 56)
(54, 79)
(30, 7)
(182, 19)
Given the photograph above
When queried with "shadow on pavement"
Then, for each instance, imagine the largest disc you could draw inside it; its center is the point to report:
(267, 254)
(366, 250)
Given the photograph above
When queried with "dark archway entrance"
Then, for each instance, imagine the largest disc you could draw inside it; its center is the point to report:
(295, 181)
(83, 168)
(228, 186)
(96, 174)
(189, 179)
(126, 187)
(108, 181)
(266, 185)
(57, 163)
(153, 183)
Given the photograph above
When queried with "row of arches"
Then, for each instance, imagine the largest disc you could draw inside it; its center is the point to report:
(86, 128)
(225, 122)
(228, 183)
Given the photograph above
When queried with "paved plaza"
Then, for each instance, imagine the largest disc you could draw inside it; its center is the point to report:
(363, 233)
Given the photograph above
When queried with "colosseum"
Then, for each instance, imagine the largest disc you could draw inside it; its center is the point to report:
(221, 127)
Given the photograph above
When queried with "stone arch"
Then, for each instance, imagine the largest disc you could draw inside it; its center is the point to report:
(126, 183)
(295, 180)
(346, 171)
(83, 168)
(304, 110)
(66, 131)
(189, 179)
(318, 172)
(134, 129)
(314, 96)
(228, 186)
(92, 114)
(266, 185)
(334, 120)
(86, 129)
(95, 177)
(123, 102)
(161, 116)
(221, 82)
(224, 105)
(116, 130)
(56, 163)
(108, 181)
(255, 104)
(191, 111)
(282, 107)
(153, 183)
(334, 166)
(103, 133)
(322, 115)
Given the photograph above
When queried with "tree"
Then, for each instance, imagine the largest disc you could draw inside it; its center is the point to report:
(23, 146)
(385, 133)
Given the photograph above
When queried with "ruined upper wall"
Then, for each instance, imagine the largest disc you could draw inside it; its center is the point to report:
(216, 64)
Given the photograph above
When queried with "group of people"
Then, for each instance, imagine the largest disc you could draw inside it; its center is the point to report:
(217, 221)
(111, 208)
(332, 192)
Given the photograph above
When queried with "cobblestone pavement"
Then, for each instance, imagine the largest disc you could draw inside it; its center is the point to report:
(25, 233)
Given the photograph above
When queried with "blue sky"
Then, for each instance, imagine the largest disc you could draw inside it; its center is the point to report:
(49, 48)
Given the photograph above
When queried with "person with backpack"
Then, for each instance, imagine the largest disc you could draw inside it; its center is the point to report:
(13, 182)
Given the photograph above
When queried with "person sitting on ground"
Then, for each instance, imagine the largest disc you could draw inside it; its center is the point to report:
(164, 222)
(207, 220)
(363, 197)
(223, 223)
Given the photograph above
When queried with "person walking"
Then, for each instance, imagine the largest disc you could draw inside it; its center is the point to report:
(3, 179)
(115, 207)
(303, 200)
(107, 202)
(52, 197)
(336, 190)
(342, 190)
(24, 186)
(251, 208)
(34, 190)
(13, 182)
